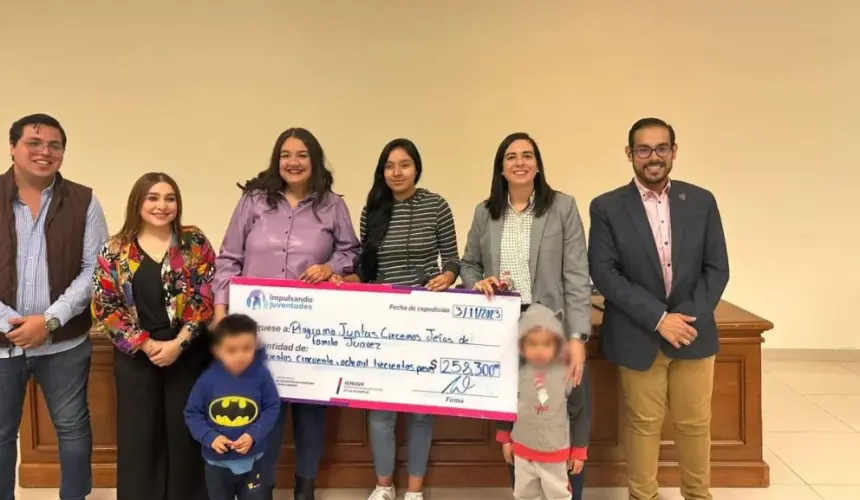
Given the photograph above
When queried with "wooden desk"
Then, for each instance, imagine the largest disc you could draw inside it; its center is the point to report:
(464, 452)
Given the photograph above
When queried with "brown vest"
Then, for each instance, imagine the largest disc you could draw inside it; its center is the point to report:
(65, 225)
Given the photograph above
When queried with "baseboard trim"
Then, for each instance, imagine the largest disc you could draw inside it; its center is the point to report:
(829, 355)
(599, 474)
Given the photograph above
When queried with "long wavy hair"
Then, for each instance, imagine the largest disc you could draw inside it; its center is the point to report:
(270, 182)
(498, 200)
(133, 223)
(380, 202)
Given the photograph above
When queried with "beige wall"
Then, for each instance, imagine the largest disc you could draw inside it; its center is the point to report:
(763, 94)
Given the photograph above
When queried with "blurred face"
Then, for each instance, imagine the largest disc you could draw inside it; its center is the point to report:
(39, 152)
(236, 352)
(295, 163)
(540, 347)
(400, 173)
(160, 206)
(520, 165)
(652, 155)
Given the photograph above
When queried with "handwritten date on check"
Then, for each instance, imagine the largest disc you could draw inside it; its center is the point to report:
(385, 347)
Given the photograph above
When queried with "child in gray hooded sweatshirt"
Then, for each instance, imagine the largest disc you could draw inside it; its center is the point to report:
(550, 436)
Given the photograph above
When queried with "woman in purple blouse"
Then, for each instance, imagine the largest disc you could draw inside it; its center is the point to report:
(289, 224)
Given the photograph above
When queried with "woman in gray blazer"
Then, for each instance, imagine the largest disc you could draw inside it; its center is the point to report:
(528, 238)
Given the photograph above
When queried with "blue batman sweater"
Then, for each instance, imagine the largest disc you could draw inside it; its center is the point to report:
(223, 404)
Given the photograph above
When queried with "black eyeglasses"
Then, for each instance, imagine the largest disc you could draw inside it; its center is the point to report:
(643, 152)
(37, 146)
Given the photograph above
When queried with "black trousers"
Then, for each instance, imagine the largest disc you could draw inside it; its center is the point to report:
(224, 485)
(157, 459)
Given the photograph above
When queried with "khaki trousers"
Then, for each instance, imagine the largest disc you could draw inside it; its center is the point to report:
(685, 387)
(538, 480)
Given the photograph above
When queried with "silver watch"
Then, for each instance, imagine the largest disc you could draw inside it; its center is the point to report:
(582, 337)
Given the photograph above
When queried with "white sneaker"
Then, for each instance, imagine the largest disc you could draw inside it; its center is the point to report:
(413, 496)
(383, 493)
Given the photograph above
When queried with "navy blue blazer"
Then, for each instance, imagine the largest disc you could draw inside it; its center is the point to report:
(625, 268)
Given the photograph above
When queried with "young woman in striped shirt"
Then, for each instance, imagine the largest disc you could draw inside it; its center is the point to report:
(404, 232)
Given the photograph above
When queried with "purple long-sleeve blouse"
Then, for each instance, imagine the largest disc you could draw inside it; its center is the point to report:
(283, 243)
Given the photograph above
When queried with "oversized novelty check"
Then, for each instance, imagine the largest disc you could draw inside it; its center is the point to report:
(384, 347)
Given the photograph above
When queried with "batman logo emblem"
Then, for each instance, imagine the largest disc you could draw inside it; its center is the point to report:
(233, 411)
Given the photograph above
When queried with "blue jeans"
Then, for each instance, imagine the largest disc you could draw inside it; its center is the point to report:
(63, 378)
(577, 482)
(383, 446)
(309, 437)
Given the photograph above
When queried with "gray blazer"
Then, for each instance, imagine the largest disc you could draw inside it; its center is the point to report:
(558, 259)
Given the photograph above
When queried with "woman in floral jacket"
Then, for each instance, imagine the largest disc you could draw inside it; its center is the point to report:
(152, 294)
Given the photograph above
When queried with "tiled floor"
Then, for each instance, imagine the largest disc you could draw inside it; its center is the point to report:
(812, 442)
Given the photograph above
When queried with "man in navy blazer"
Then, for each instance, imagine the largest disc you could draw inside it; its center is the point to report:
(657, 253)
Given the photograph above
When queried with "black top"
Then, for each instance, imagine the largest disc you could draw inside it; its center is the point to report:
(149, 298)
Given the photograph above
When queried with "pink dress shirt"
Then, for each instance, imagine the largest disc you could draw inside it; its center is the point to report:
(657, 210)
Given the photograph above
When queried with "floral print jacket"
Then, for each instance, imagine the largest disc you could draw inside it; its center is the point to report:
(186, 272)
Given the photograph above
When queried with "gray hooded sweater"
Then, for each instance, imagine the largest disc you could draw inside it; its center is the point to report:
(552, 424)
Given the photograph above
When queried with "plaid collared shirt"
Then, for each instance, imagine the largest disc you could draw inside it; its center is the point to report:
(516, 241)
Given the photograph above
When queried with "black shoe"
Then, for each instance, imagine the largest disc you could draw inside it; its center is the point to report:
(269, 494)
(304, 489)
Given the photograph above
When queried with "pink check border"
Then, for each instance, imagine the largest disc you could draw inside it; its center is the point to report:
(371, 405)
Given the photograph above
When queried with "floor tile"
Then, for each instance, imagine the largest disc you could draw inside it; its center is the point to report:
(808, 383)
(772, 493)
(794, 366)
(607, 494)
(804, 415)
(36, 494)
(797, 492)
(469, 494)
(610, 494)
(845, 407)
(341, 494)
(53, 494)
(780, 474)
(782, 492)
(838, 492)
(818, 458)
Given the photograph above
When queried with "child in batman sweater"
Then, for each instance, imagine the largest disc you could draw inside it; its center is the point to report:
(550, 436)
(231, 410)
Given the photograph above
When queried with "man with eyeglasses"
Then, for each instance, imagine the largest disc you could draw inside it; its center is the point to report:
(657, 253)
(51, 230)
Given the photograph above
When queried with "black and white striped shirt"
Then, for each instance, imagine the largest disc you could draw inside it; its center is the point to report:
(421, 230)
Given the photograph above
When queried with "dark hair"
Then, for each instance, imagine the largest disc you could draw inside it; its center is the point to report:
(16, 131)
(650, 122)
(233, 325)
(498, 200)
(270, 183)
(131, 227)
(380, 201)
